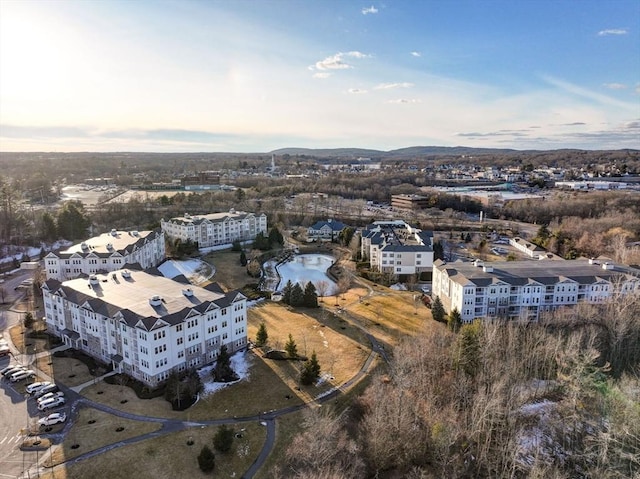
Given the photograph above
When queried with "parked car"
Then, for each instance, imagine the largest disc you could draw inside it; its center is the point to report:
(50, 395)
(20, 375)
(53, 418)
(4, 350)
(52, 388)
(51, 403)
(9, 370)
(35, 387)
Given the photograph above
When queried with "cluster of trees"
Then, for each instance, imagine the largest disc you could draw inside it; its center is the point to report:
(556, 399)
(178, 248)
(222, 442)
(294, 295)
(272, 241)
(181, 390)
(223, 371)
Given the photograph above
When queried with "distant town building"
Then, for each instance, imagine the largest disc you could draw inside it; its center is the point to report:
(525, 289)
(204, 180)
(145, 326)
(591, 185)
(215, 229)
(409, 202)
(530, 249)
(107, 252)
(325, 230)
(398, 248)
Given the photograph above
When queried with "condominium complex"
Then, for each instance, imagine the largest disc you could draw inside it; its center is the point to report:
(325, 230)
(145, 325)
(396, 247)
(216, 229)
(525, 289)
(107, 252)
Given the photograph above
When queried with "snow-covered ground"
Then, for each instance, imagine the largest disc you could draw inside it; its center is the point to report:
(240, 362)
(194, 270)
(10, 252)
(307, 267)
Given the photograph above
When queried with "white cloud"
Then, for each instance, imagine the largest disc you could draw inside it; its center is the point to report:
(337, 61)
(390, 86)
(321, 75)
(615, 86)
(416, 54)
(613, 31)
(585, 93)
(356, 91)
(405, 100)
(371, 9)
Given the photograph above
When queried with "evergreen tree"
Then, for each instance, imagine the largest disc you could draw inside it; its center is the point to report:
(48, 227)
(345, 236)
(73, 221)
(28, 320)
(236, 246)
(275, 238)
(455, 320)
(243, 258)
(223, 372)
(286, 292)
(437, 310)
(262, 336)
(467, 239)
(310, 370)
(291, 348)
(43, 253)
(223, 439)
(310, 298)
(206, 459)
(469, 348)
(261, 242)
(438, 250)
(297, 295)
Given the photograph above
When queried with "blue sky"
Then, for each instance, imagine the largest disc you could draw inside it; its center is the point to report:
(252, 76)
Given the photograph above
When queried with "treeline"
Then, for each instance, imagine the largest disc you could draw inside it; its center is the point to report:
(579, 224)
(553, 399)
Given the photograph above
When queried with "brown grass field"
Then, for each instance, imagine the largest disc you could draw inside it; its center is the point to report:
(229, 273)
(149, 459)
(92, 436)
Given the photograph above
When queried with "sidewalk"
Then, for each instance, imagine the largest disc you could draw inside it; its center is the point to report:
(93, 381)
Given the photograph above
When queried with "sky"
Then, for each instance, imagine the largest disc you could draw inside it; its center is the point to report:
(258, 75)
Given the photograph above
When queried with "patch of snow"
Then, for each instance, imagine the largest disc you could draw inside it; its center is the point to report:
(240, 363)
(398, 287)
(221, 247)
(194, 270)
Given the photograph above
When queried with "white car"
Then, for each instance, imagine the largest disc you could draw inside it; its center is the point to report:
(45, 390)
(20, 375)
(4, 350)
(35, 387)
(53, 418)
(50, 395)
(9, 370)
(51, 403)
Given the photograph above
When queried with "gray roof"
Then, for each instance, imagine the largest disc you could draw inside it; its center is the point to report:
(520, 273)
(333, 224)
(212, 217)
(130, 297)
(121, 243)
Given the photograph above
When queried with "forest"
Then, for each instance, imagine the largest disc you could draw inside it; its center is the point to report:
(554, 399)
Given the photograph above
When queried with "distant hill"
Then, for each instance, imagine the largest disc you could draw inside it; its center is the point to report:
(330, 152)
(412, 151)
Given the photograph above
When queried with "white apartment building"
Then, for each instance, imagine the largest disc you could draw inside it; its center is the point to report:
(216, 229)
(145, 325)
(398, 248)
(525, 289)
(530, 249)
(107, 252)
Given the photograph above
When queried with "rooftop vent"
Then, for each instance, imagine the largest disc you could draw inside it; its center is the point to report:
(608, 266)
(155, 300)
(84, 246)
(93, 279)
(487, 269)
(126, 274)
(109, 246)
(187, 216)
(478, 263)
(593, 261)
(187, 292)
(113, 232)
(135, 233)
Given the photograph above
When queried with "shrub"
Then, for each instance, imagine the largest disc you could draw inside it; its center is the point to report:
(223, 440)
(206, 459)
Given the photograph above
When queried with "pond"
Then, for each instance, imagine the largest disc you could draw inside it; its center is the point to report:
(303, 268)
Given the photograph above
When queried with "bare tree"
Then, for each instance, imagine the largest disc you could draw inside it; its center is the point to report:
(323, 288)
